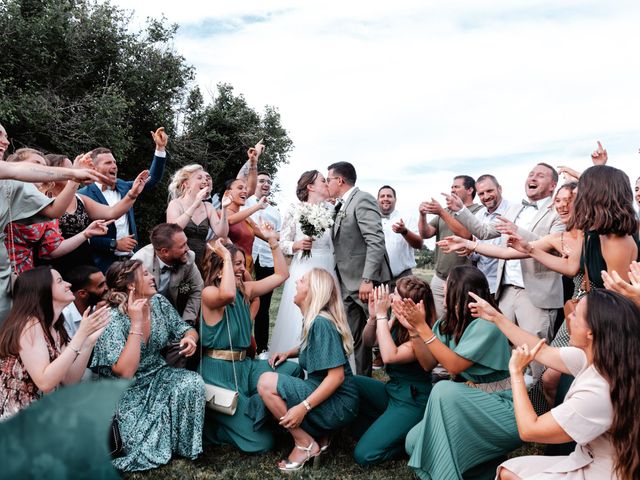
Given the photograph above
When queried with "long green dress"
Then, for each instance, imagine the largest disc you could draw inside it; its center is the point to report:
(162, 412)
(389, 410)
(463, 426)
(239, 429)
(322, 351)
(19, 201)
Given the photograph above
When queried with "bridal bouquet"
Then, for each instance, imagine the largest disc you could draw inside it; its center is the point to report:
(314, 219)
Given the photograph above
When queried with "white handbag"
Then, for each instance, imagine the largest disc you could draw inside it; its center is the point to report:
(220, 399)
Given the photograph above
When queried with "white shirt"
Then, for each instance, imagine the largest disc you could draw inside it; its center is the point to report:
(261, 251)
(512, 268)
(401, 254)
(112, 197)
(489, 265)
(346, 196)
(72, 319)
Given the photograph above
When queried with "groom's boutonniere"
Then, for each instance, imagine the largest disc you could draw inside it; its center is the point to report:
(341, 215)
(184, 287)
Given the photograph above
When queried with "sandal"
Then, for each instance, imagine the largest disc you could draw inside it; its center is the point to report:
(324, 444)
(295, 466)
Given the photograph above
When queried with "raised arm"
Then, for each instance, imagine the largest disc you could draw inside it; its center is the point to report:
(245, 213)
(129, 359)
(176, 214)
(214, 297)
(156, 170)
(281, 271)
(29, 172)
(97, 211)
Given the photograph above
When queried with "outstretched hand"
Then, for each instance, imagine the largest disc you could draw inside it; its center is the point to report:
(453, 243)
(454, 202)
(139, 183)
(480, 308)
(518, 243)
(160, 138)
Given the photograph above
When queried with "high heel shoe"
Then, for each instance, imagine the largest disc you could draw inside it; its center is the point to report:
(325, 447)
(295, 466)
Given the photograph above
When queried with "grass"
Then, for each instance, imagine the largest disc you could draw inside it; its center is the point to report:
(224, 462)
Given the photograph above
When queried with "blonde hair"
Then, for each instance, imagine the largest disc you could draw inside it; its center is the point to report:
(176, 187)
(324, 299)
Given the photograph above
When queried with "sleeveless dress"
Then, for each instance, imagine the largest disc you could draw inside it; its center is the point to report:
(72, 224)
(17, 389)
(242, 235)
(389, 410)
(197, 238)
(288, 325)
(238, 429)
(464, 427)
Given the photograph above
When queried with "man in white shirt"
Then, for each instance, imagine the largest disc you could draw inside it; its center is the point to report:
(263, 258)
(400, 238)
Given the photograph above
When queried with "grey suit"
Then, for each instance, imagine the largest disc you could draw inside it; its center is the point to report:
(360, 252)
(185, 284)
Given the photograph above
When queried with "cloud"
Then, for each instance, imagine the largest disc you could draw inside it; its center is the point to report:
(416, 92)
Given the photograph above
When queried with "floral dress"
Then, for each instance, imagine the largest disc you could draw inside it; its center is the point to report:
(17, 389)
(162, 411)
(29, 241)
(72, 224)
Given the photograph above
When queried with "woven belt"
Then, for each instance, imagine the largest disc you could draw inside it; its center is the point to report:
(227, 355)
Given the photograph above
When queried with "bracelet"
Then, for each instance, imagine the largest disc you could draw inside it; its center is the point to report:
(475, 244)
(404, 232)
(306, 404)
(427, 342)
(78, 352)
(131, 332)
(379, 319)
(84, 234)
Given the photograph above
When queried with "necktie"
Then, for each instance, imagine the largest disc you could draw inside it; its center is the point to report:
(337, 207)
(530, 204)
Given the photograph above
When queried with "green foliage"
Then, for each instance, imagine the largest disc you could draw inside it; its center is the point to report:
(425, 258)
(75, 77)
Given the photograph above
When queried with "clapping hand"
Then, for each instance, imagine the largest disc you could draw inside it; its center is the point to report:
(268, 230)
(381, 300)
(454, 203)
(432, 207)
(139, 183)
(93, 323)
(160, 138)
(617, 284)
(410, 314)
(599, 155)
(137, 309)
(521, 356)
(480, 308)
(227, 199)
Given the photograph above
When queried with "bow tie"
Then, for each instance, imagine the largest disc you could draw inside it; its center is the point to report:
(529, 204)
(107, 187)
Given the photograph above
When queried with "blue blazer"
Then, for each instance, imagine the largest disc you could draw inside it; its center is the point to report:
(102, 253)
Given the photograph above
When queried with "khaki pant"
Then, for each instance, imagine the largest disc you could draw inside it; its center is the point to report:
(517, 307)
(437, 289)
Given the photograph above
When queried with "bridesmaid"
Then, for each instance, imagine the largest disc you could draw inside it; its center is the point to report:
(468, 420)
(389, 410)
(328, 399)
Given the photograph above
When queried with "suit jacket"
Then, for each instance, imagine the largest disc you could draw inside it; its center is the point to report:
(185, 283)
(102, 252)
(543, 286)
(358, 242)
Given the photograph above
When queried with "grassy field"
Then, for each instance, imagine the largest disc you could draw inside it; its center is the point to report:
(221, 462)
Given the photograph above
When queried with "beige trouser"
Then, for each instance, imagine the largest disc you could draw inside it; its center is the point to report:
(517, 307)
(437, 289)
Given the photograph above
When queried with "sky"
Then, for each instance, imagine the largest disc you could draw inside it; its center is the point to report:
(416, 92)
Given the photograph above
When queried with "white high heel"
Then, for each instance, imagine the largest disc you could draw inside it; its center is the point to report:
(295, 466)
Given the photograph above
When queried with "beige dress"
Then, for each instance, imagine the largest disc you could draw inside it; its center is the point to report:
(586, 416)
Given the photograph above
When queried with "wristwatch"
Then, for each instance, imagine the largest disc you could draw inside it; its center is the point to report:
(366, 280)
(112, 245)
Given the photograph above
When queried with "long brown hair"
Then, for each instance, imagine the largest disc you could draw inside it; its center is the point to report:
(604, 203)
(119, 276)
(306, 179)
(417, 290)
(212, 265)
(614, 321)
(32, 299)
(462, 280)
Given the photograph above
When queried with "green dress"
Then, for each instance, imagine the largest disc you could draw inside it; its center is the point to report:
(464, 427)
(322, 351)
(239, 429)
(162, 412)
(19, 201)
(389, 410)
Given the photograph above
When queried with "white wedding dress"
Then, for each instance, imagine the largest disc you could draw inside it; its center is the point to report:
(288, 327)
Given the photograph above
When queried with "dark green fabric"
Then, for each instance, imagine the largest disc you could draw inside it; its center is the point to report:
(62, 436)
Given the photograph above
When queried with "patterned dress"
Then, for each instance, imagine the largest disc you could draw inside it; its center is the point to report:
(31, 241)
(162, 412)
(72, 224)
(17, 389)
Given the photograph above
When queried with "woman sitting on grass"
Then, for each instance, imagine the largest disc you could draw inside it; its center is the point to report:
(599, 411)
(389, 410)
(328, 399)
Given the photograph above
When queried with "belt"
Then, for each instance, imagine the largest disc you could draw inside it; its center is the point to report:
(505, 285)
(227, 355)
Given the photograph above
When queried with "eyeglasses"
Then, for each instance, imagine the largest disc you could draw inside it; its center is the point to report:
(332, 178)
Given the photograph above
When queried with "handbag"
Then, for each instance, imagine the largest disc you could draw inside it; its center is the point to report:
(116, 448)
(11, 251)
(220, 399)
(570, 305)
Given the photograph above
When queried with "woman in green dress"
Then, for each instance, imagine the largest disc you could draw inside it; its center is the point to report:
(389, 410)
(226, 327)
(328, 399)
(162, 411)
(469, 420)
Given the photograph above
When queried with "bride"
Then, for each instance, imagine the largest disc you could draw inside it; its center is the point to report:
(312, 188)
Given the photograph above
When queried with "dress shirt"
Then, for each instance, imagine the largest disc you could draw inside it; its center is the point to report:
(165, 277)
(261, 251)
(512, 268)
(72, 319)
(345, 198)
(489, 265)
(401, 254)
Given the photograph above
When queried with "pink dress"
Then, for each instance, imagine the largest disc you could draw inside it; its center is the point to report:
(586, 416)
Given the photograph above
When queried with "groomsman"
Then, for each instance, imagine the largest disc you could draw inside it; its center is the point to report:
(399, 237)
(122, 236)
(263, 257)
(359, 249)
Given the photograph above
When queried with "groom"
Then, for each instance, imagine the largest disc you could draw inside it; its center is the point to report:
(360, 253)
